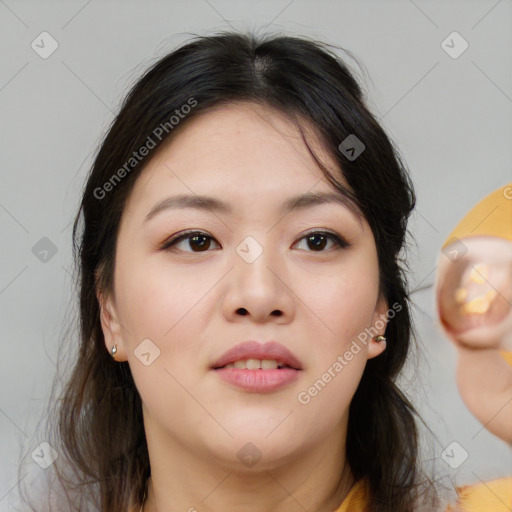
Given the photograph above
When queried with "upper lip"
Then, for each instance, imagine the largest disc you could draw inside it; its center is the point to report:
(255, 350)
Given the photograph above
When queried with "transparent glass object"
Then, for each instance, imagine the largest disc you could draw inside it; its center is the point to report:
(474, 292)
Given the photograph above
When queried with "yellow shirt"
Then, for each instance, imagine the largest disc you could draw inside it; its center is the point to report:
(356, 498)
(493, 496)
(507, 356)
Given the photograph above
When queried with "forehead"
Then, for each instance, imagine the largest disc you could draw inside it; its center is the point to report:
(240, 150)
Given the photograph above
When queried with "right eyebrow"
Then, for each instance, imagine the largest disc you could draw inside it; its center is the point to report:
(310, 199)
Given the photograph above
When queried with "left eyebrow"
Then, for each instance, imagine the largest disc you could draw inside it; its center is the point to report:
(213, 204)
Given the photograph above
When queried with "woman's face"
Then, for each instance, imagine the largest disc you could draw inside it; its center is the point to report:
(253, 273)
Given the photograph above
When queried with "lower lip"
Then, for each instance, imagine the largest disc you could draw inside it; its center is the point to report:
(258, 381)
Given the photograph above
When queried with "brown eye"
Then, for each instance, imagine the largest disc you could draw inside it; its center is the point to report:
(196, 240)
(201, 242)
(317, 240)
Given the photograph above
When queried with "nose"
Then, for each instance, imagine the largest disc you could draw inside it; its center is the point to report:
(259, 288)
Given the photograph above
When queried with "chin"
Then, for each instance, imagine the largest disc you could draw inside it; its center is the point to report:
(254, 451)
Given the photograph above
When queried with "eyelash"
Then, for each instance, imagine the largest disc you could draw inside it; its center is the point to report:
(339, 240)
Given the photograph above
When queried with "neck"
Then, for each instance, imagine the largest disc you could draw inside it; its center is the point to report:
(317, 480)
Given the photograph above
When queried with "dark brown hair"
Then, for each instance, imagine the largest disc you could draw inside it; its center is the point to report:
(99, 425)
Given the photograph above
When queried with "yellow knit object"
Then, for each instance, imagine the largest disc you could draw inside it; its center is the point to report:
(492, 216)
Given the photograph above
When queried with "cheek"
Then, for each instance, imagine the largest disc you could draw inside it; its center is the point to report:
(327, 397)
(332, 382)
(158, 303)
(162, 306)
(343, 299)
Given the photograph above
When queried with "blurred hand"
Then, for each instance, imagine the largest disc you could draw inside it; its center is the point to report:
(484, 379)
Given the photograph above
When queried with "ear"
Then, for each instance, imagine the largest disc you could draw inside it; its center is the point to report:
(379, 323)
(110, 324)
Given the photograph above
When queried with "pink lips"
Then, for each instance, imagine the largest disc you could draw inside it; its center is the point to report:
(259, 380)
(255, 350)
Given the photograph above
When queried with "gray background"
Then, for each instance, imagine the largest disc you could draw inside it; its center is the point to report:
(451, 119)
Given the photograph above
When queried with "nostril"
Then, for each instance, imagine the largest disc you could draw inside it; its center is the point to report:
(243, 311)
